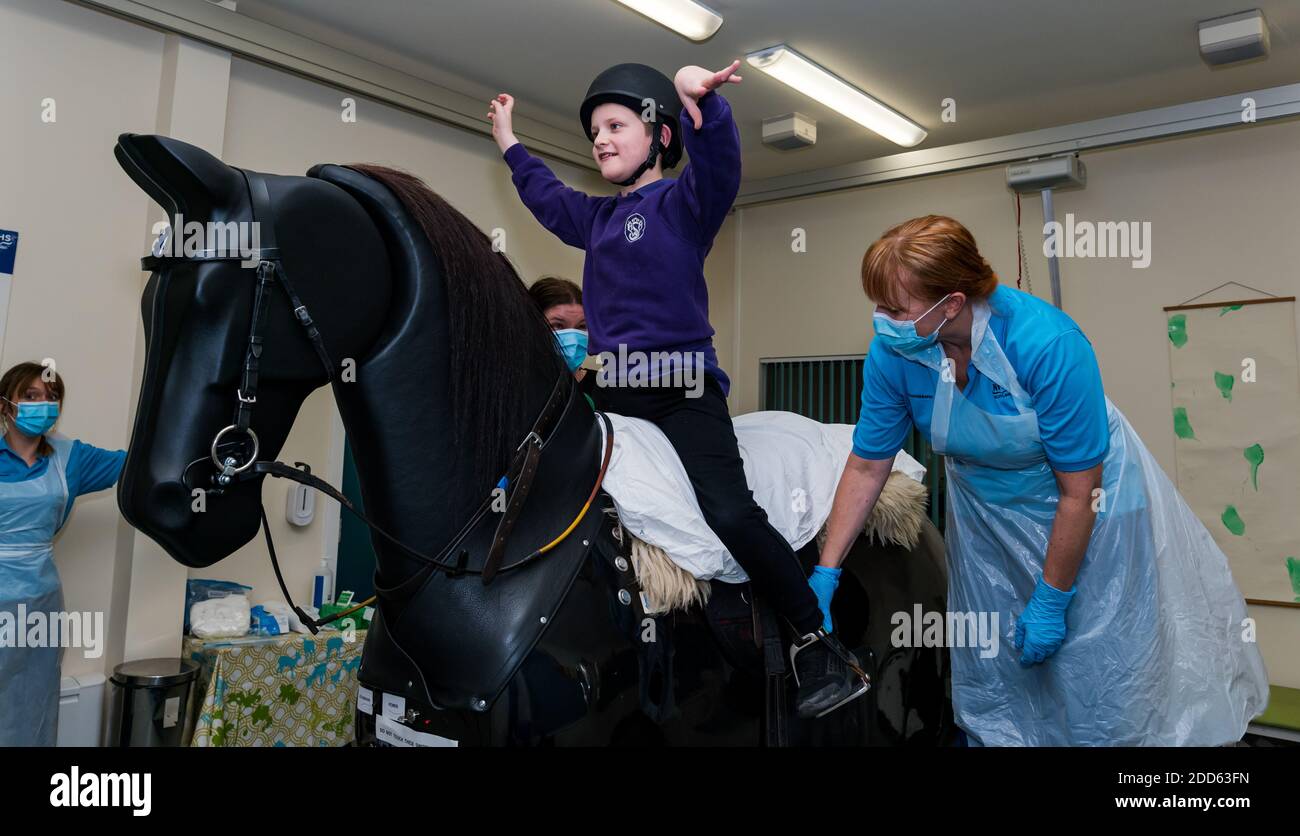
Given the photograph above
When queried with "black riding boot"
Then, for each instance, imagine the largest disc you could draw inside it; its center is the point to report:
(827, 674)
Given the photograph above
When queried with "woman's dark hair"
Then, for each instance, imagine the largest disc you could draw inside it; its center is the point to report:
(15, 381)
(549, 291)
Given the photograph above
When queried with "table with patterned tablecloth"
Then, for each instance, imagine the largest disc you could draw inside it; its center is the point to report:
(292, 690)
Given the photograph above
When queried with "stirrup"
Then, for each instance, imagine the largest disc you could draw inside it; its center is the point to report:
(833, 644)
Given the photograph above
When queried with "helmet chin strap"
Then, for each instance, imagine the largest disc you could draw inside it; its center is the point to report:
(649, 163)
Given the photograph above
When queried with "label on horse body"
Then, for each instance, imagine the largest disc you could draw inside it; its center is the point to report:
(365, 700)
(395, 734)
(394, 706)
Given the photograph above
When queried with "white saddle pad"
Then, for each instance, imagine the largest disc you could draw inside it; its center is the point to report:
(793, 465)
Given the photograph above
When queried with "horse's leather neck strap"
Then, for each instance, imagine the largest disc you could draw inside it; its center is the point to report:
(268, 270)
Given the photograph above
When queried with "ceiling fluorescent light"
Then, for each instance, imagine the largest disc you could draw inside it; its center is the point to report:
(787, 66)
(685, 17)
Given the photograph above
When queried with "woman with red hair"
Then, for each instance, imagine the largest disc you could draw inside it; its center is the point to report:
(1128, 628)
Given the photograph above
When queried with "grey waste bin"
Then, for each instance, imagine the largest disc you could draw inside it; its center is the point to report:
(151, 703)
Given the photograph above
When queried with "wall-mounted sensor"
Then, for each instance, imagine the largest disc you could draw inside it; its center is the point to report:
(793, 130)
(300, 501)
(1236, 37)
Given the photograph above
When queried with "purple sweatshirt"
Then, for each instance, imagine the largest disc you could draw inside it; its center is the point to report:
(643, 278)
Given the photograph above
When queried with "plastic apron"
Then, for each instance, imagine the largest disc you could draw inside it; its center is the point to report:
(30, 514)
(1154, 651)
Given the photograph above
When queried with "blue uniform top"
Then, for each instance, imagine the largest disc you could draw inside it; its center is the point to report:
(1052, 359)
(643, 279)
(89, 468)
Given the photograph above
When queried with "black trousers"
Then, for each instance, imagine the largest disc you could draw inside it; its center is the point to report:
(701, 432)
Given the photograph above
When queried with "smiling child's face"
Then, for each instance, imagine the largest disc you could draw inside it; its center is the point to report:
(620, 140)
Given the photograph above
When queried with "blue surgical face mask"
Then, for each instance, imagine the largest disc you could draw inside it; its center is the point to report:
(901, 336)
(573, 345)
(35, 418)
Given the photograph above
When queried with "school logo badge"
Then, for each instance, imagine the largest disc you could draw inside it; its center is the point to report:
(635, 227)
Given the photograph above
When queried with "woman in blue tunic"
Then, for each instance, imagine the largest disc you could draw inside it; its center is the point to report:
(40, 476)
(1118, 620)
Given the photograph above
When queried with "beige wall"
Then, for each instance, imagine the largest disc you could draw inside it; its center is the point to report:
(1223, 206)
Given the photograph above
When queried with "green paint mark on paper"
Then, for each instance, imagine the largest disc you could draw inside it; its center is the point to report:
(1182, 427)
(1224, 382)
(1255, 455)
(1293, 569)
(1232, 521)
(1178, 330)
(1230, 309)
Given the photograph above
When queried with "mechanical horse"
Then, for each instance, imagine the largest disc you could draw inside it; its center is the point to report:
(508, 611)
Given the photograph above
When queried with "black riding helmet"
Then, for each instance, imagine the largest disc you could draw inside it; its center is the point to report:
(630, 85)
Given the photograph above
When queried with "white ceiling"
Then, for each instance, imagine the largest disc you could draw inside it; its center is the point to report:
(1011, 65)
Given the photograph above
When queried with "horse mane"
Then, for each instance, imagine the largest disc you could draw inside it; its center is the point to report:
(500, 344)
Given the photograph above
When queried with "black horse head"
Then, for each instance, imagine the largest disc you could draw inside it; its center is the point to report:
(440, 366)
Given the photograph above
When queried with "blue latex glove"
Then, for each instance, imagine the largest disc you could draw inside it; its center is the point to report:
(824, 581)
(1040, 629)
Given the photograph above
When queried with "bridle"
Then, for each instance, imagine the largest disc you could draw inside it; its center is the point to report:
(516, 483)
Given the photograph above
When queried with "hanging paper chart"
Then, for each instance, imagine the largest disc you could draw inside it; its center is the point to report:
(1236, 415)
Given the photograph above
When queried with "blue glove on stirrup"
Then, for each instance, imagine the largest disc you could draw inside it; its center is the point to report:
(1040, 629)
(823, 581)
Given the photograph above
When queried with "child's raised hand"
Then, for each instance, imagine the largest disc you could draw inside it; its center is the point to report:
(501, 113)
(693, 82)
